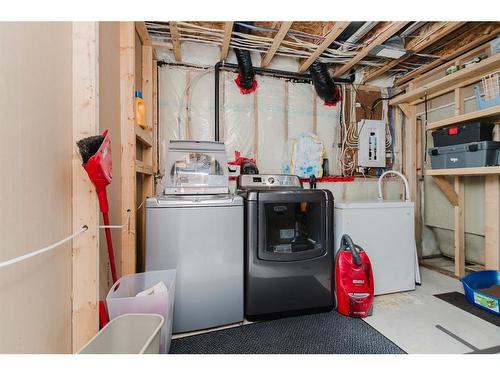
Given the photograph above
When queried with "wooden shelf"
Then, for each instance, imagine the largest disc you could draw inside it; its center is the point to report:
(140, 167)
(476, 115)
(480, 171)
(448, 82)
(144, 136)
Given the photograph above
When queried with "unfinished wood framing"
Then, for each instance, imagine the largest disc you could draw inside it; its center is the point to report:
(459, 228)
(361, 54)
(447, 189)
(228, 30)
(455, 194)
(176, 43)
(481, 39)
(285, 26)
(329, 39)
(461, 78)
(492, 222)
(128, 143)
(85, 257)
(141, 29)
(440, 32)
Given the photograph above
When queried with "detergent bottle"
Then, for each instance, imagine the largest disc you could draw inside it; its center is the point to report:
(140, 110)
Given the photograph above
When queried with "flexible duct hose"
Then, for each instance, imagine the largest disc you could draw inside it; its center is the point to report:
(323, 83)
(245, 67)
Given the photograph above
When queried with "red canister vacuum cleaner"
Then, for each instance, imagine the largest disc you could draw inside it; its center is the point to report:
(354, 280)
(96, 157)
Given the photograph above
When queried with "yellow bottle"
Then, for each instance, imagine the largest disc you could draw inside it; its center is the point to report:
(140, 110)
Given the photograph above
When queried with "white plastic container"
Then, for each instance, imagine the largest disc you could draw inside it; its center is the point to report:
(128, 334)
(122, 299)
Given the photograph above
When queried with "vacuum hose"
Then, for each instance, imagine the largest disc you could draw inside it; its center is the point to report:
(323, 83)
(346, 242)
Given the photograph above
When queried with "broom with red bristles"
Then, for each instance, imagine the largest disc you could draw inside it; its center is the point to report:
(95, 152)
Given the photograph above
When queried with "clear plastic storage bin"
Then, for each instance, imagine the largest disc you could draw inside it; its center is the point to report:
(122, 299)
(127, 334)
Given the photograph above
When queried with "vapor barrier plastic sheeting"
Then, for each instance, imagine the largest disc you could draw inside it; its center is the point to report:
(253, 124)
(272, 127)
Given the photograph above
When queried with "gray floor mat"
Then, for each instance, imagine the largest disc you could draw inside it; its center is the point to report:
(322, 333)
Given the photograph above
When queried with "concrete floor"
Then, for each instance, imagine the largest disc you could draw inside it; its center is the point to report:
(409, 319)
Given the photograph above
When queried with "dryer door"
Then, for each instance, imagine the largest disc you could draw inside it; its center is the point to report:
(292, 225)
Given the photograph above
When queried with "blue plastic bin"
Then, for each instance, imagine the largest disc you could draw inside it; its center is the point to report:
(481, 280)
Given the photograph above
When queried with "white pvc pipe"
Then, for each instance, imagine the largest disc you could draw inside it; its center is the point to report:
(407, 186)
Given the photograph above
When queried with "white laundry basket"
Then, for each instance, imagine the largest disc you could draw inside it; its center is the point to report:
(127, 334)
(122, 299)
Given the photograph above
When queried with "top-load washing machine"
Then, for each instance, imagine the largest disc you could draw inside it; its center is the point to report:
(288, 246)
(196, 227)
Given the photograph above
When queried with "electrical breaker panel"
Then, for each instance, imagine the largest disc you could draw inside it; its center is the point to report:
(371, 143)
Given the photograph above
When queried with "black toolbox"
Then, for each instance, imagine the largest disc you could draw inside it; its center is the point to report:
(460, 134)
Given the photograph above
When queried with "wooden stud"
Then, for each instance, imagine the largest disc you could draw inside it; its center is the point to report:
(459, 101)
(361, 54)
(176, 43)
(285, 106)
(423, 44)
(329, 39)
(85, 256)
(226, 41)
(492, 222)
(464, 49)
(256, 123)
(128, 144)
(155, 121)
(459, 228)
(278, 38)
(315, 112)
(447, 189)
(140, 27)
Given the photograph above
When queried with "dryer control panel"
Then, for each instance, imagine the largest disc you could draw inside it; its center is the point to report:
(268, 181)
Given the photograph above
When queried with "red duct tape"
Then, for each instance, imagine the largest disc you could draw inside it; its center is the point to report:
(244, 90)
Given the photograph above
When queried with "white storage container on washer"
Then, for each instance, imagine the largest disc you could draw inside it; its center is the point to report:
(385, 230)
(122, 299)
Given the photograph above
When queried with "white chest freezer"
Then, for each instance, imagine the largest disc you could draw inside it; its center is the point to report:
(385, 230)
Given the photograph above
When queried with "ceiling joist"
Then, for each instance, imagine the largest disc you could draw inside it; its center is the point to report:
(285, 26)
(329, 39)
(380, 39)
(437, 33)
(176, 42)
(228, 29)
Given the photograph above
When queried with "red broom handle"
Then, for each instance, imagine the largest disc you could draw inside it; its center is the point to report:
(111, 252)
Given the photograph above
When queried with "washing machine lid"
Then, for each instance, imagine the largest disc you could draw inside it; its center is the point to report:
(374, 204)
(194, 201)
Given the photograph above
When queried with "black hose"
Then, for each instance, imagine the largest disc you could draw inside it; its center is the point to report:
(346, 242)
(323, 82)
(245, 67)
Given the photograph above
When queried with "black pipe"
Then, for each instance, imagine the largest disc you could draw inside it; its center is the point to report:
(217, 83)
